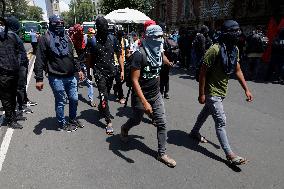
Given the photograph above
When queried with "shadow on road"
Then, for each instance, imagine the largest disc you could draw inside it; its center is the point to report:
(127, 112)
(49, 123)
(93, 117)
(117, 146)
(181, 138)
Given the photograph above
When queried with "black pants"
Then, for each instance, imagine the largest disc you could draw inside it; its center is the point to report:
(104, 85)
(8, 93)
(164, 79)
(117, 87)
(34, 46)
(21, 91)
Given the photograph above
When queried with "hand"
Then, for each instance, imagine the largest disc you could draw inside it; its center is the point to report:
(201, 99)
(148, 108)
(121, 76)
(171, 64)
(81, 75)
(249, 96)
(39, 85)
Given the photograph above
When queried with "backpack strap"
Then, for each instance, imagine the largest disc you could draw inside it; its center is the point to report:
(144, 56)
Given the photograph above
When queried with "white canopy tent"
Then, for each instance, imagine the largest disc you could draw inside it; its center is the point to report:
(127, 16)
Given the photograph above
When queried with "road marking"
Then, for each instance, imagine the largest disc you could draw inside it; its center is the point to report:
(8, 135)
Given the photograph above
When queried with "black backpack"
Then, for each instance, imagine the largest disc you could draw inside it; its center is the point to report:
(10, 54)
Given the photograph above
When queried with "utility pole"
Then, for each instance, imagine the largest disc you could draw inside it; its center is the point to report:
(74, 11)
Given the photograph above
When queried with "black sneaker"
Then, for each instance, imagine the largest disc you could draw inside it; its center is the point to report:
(166, 96)
(69, 127)
(77, 123)
(30, 103)
(15, 125)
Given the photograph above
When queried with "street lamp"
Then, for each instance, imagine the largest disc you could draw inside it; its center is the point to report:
(74, 11)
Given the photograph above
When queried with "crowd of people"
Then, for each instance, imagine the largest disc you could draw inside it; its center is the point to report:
(71, 58)
(260, 51)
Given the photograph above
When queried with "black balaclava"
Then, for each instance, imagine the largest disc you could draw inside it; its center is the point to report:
(230, 33)
(102, 28)
(56, 25)
(120, 35)
(13, 24)
(204, 30)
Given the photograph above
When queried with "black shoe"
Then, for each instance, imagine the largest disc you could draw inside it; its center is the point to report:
(30, 103)
(15, 125)
(77, 123)
(166, 96)
(20, 117)
(69, 127)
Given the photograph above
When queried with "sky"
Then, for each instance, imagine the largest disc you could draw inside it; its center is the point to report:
(63, 4)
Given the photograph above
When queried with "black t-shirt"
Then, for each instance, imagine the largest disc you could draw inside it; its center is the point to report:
(104, 55)
(150, 85)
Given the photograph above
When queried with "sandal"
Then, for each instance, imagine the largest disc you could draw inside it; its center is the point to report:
(238, 160)
(198, 137)
(109, 129)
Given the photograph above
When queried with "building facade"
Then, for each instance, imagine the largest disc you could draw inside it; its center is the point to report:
(193, 13)
(52, 7)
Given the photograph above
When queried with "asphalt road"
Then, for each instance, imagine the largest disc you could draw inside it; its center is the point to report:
(39, 156)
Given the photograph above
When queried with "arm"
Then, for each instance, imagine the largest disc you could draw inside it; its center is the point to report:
(166, 60)
(77, 64)
(202, 81)
(243, 83)
(121, 63)
(135, 75)
(40, 63)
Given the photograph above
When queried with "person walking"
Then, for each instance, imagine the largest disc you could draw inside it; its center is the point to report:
(102, 55)
(146, 97)
(11, 59)
(56, 55)
(220, 61)
(34, 41)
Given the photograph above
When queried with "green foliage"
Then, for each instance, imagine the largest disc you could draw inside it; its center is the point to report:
(34, 13)
(81, 10)
(142, 5)
(21, 10)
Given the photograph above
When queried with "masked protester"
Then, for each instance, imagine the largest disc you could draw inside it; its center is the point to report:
(220, 61)
(104, 70)
(56, 55)
(22, 97)
(11, 48)
(146, 97)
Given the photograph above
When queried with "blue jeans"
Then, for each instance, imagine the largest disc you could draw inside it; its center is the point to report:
(88, 82)
(214, 106)
(60, 86)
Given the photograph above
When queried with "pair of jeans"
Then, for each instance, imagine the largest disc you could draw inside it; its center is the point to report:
(104, 85)
(214, 106)
(88, 81)
(8, 93)
(159, 117)
(60, 86)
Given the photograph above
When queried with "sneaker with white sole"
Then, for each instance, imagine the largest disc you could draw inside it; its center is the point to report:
(77, 123)
(69, 127)
(30, 103)
(167, 160)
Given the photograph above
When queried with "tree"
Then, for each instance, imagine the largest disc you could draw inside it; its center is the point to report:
(82, 10)
(18, 8)
(68, 19)
(34, 13)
